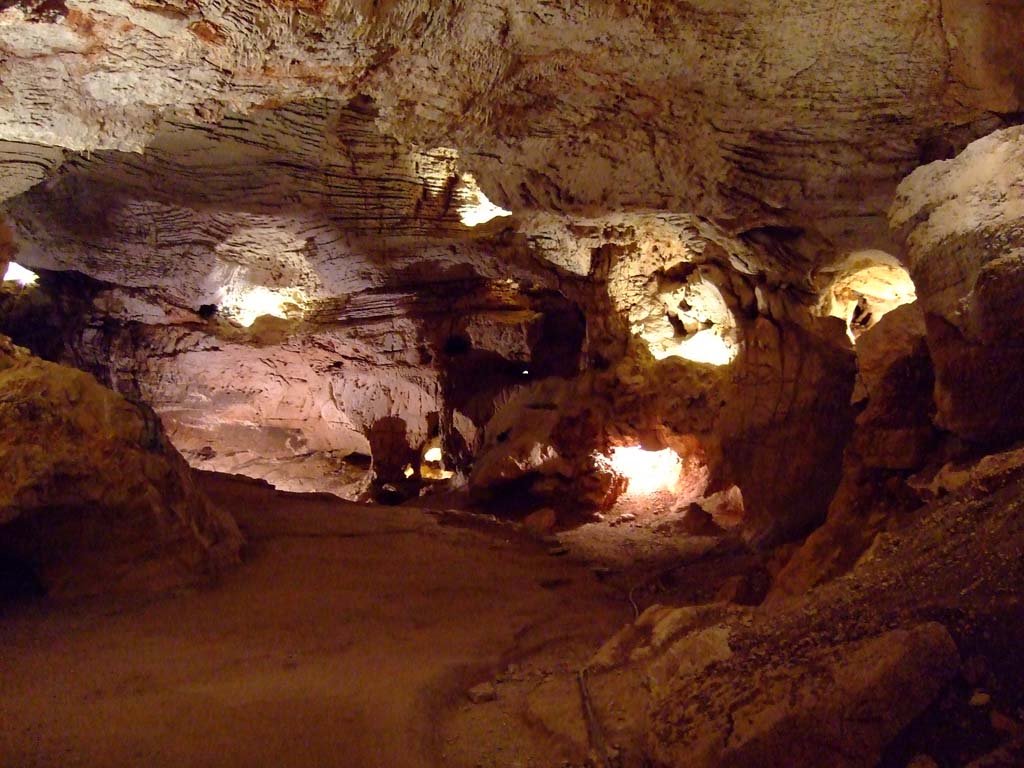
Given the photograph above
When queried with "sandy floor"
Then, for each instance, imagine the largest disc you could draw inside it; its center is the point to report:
(349, 637)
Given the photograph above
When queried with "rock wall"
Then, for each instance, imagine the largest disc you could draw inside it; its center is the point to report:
(961, 221)
(92, 496)
(893, 437)
(939, 380)
(832, 677)
(273, 201)
(342, 310)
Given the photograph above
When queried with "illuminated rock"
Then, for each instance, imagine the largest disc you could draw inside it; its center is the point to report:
(308, 177)
(16, 273)
(960, 220)
(866, 287)
(622, 119)
(647, 471)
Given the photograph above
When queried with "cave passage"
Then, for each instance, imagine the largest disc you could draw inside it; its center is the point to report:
(511, 384)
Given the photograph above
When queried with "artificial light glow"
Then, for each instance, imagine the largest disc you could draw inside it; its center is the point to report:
(259, 301)
(868, 286)
(437, 168)
(433, 467)
(647, 471)
(476, 209)
(408, 471)
(247, 304)
(703, 347)
(18, 274)
(689, 319)
(243, 299)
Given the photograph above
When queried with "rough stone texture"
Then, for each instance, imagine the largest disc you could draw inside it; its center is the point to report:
(388, 306)
(837, 707)
(787, 394)
(830, 677)
(25, 165)
(756, 113)
(395, 310)
(679, 175)
(961, 221)
(92, 497)
(892, 436)
(248, 214)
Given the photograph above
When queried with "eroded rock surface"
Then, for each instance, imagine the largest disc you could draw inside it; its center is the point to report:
(92, 496)
(847, 674)
(755, 113)
(962, 223)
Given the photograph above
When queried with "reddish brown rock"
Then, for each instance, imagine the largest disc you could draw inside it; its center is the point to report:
(92, 496)
(893, 435)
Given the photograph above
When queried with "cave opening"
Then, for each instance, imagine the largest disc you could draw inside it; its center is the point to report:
(865, 288)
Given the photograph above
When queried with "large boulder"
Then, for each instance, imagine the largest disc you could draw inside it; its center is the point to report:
(92, 496)
(862, 671)
(839, 706)
(962, 221)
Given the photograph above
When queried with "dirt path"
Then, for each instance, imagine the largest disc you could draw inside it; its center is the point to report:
(348, 638)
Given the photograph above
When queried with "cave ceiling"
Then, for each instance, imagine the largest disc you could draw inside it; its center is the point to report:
(791, 114)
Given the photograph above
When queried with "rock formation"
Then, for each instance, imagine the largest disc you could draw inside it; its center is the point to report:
(92, 496)
(961, 221)
(492, 253)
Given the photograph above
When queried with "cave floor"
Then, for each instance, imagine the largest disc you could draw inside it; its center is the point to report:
(349, 637)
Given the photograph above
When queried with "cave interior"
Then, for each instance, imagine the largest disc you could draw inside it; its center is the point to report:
(416, 383)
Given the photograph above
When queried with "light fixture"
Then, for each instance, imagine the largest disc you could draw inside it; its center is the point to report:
(433, 454)
(18, 274)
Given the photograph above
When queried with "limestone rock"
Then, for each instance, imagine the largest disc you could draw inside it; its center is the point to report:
(482, 693)
(647, 220)
(541, 522)
(840, 708)
(519, 442)
(895, 429)
(785, 420)
(892, 435)
(748, 114)
(832, 676)
(961, 221)
(92, 496)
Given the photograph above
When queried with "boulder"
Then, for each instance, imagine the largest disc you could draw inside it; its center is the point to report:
(92, 496)
(960, 221)
(839, 707)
